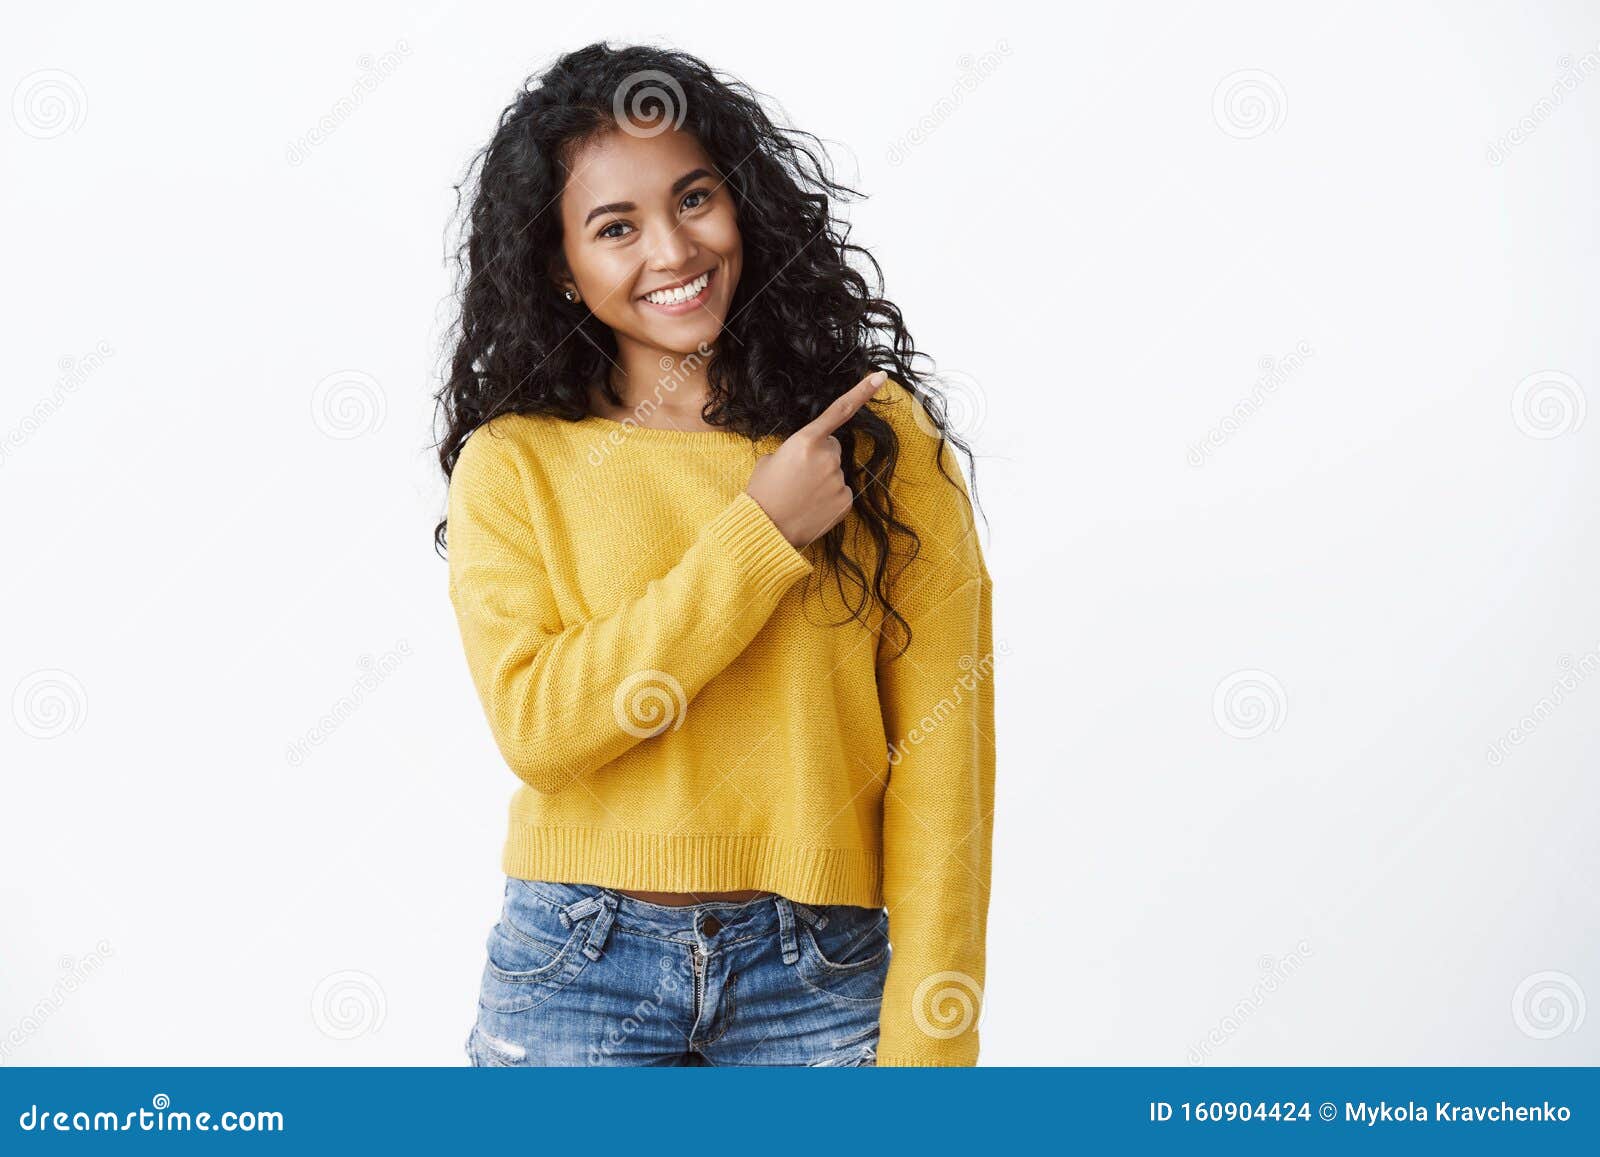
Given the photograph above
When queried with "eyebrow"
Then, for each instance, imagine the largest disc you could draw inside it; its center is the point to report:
(678, 186)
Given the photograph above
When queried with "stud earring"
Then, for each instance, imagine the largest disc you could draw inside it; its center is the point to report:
(570, 296)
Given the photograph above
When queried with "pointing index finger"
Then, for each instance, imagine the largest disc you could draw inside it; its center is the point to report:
(842, 408)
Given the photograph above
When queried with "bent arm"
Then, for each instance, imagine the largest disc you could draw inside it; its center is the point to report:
(563, 701)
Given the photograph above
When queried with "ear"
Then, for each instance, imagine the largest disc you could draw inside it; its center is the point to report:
(561, 274)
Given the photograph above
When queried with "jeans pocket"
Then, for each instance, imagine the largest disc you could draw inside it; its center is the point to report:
(534, 951)
(847, 958)
(852, 939)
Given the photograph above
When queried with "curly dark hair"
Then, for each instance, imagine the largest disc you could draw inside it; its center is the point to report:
(807, 324)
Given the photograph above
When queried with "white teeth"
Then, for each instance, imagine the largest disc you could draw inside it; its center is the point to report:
(681, 293)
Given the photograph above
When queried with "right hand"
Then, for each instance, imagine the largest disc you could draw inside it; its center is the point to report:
(801, 484)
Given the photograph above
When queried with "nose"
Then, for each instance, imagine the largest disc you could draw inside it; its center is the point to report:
(672, 251)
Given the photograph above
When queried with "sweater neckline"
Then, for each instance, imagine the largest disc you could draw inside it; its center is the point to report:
(668, 434)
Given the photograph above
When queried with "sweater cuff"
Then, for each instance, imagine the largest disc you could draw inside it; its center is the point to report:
(906, 1061)
(769, 562)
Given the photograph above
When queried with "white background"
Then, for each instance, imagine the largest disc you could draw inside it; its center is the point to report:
(1101, 250)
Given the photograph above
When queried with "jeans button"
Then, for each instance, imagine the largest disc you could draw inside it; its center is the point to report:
(710, 926)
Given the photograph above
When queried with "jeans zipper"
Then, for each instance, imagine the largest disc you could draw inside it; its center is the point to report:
(699, 980)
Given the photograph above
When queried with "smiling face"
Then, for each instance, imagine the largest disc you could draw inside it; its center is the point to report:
(651, 241)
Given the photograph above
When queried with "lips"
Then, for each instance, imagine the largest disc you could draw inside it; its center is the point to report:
(679, 307)
(645, 296)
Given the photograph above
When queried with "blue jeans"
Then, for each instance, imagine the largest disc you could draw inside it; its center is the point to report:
(578, 974)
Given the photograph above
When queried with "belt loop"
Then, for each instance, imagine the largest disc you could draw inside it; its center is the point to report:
(601, 928)
(791, 947)
(602, 902)
(811, 916)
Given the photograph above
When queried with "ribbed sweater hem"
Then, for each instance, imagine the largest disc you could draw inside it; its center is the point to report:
(659, 862)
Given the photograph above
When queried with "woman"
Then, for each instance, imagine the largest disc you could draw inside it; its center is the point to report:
(670, 451)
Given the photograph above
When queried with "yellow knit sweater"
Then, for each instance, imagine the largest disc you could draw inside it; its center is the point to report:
(662, 671)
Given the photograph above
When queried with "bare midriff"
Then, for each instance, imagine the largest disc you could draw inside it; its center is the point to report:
(683, 899)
